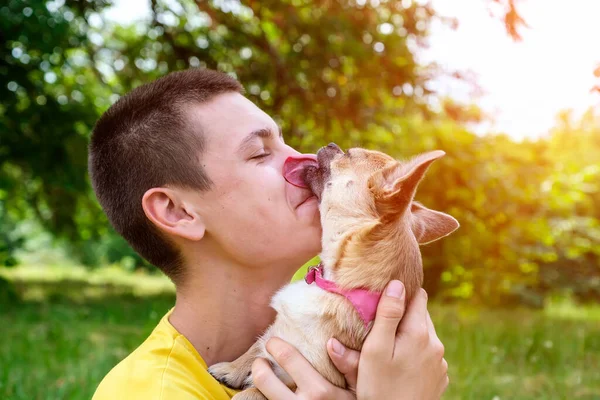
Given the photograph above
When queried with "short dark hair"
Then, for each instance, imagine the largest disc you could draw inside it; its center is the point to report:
(145, 140)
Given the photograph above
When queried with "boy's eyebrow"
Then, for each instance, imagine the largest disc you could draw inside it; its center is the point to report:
(263, 133)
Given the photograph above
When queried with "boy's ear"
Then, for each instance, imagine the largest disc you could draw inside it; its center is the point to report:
(397, 184)
(429, 225)
(168, 211)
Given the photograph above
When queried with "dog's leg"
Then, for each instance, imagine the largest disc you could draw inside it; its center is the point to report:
(235, 374)
(249, 394)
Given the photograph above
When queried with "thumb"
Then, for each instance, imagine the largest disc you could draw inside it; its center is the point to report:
(389, 313)
(345, 360)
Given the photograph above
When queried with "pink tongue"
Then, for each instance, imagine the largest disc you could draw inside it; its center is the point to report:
(293, 167)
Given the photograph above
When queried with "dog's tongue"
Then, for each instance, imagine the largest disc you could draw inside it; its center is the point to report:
(293, 167)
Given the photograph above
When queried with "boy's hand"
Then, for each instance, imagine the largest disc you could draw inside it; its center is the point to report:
(399, 360)
(311, 385)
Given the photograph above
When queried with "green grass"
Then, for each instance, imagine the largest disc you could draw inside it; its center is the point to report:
(521, 354)
(61, 341)
(61, 349)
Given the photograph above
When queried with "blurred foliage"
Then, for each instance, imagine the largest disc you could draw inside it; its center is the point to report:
(529, 214)
(343, 71)
(513, 21)
(8, 293)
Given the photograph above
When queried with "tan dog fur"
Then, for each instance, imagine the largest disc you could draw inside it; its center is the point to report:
(372, 229)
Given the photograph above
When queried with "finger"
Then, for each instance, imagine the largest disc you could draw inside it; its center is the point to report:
(415, 320)
(345, 360)
(268, 383)
(389, 313)
(294, 363)
(430, 326)
(445, 383)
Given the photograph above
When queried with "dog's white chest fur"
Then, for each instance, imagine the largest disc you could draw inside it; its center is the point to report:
(300, 308)
(299, 296)
(301, 303)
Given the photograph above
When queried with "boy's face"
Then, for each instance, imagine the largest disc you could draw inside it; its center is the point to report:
(252, 215)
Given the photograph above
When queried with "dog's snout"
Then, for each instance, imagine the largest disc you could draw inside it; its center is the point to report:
(333, 146)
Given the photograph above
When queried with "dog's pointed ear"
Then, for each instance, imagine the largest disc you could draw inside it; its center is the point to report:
(429, 225)
(397, 184)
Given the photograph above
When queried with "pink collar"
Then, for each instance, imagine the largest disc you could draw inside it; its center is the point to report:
(364, 301)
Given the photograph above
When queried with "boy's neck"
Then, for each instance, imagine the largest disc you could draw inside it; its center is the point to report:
(222, 309)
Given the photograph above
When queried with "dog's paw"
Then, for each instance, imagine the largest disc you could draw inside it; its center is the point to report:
(229, 376)
(249, 394)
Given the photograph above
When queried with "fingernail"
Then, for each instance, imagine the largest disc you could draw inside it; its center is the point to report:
(338, 348)
(395, 289)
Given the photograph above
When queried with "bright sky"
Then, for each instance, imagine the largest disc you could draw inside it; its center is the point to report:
(527, 83)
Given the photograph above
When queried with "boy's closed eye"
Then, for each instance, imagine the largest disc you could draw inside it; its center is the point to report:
(261, 156)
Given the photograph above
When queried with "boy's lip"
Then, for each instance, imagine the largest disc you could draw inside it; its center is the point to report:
(308, 198)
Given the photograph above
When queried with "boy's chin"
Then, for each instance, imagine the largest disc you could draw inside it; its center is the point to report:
(314, 246)
(308, 245)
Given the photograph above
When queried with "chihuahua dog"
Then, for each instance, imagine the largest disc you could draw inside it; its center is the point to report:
(372, 229)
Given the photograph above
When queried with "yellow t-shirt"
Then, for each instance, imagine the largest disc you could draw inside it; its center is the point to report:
(165, 367)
